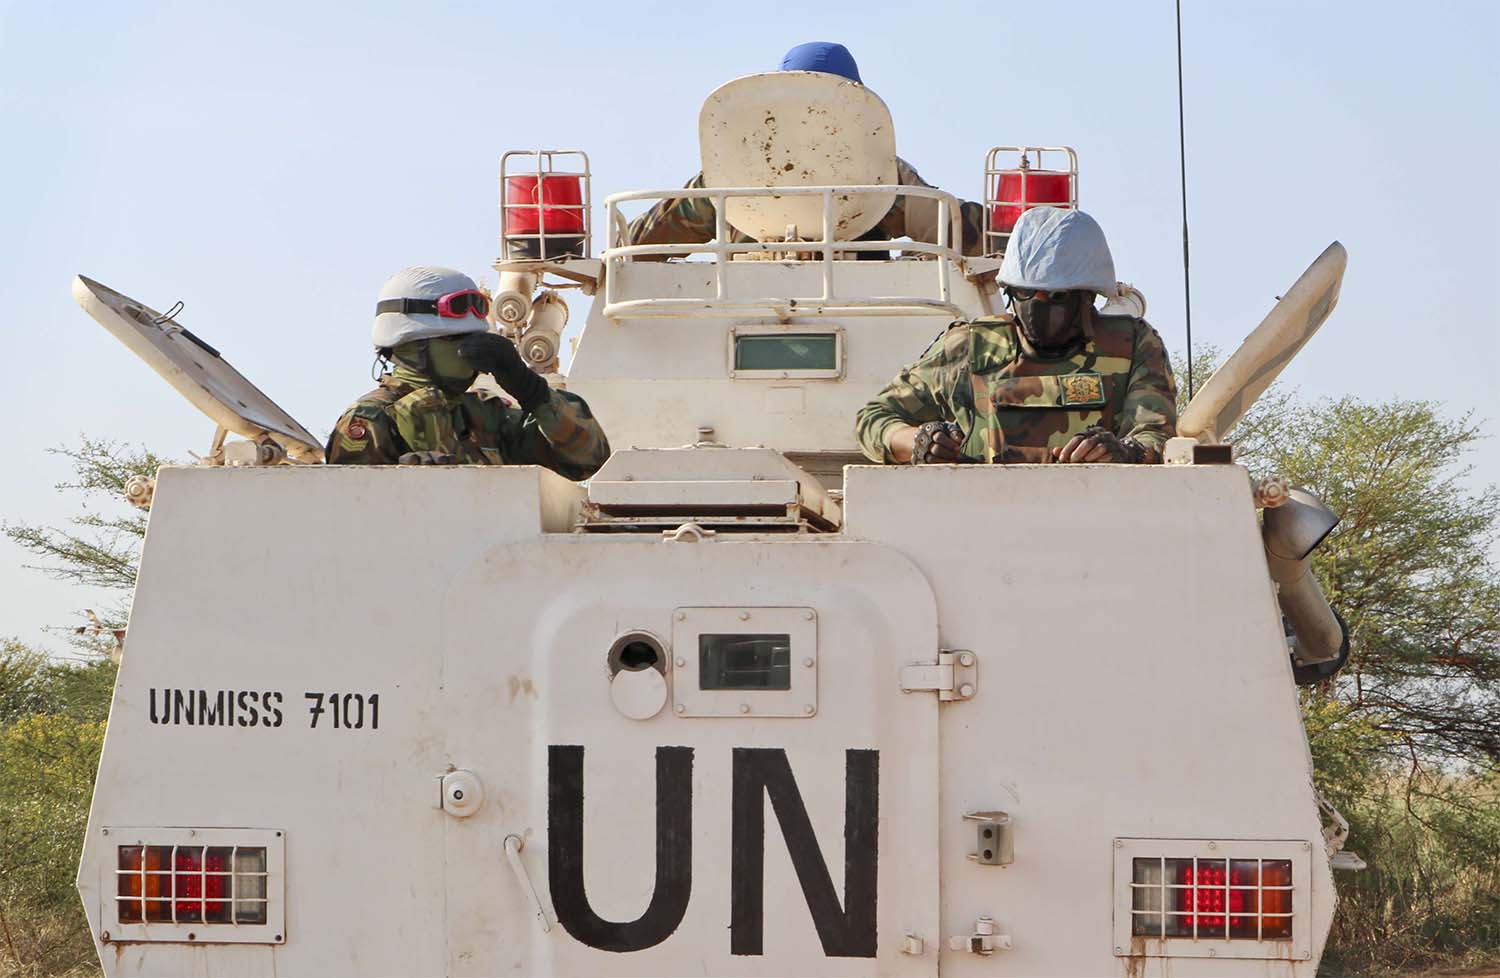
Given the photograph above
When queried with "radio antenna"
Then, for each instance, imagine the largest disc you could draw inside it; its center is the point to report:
(1187, 289)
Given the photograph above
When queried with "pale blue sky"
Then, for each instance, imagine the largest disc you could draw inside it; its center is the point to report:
(270, 164)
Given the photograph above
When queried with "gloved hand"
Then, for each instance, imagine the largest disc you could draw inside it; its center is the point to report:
(1097, 444)
(427, 458)
(493, 354)
(937, 441)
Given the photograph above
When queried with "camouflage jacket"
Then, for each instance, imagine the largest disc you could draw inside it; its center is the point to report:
(1014, 406)
(476, 428)
(690, 220)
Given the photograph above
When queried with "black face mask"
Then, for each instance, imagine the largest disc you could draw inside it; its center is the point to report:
(1053, 324)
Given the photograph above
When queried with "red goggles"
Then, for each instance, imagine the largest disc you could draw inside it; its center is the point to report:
(454, 305)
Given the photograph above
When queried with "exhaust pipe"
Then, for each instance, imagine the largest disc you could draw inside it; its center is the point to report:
(1291, 532)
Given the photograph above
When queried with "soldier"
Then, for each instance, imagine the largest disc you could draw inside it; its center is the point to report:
(690, 220)
(430, 323)
(1054, 381)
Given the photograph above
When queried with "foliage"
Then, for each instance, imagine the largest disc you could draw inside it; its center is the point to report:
(100, 547)
(1431, 894)
(31, 683)
(100, 550)
(50, 740)
(1408, 567)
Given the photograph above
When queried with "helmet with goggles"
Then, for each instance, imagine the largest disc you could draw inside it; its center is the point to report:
(1057, 250)
(424, 302)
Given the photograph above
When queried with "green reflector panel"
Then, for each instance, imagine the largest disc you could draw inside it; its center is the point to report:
(786, 351)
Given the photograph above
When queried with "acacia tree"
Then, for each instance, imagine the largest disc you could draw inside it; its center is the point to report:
(1408, 566)
(100, 547)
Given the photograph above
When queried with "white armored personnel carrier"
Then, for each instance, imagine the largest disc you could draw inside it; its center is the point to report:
(742, 704)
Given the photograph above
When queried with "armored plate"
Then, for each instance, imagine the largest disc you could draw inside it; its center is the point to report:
(1221, 402)
(798, 129)
(195, 369)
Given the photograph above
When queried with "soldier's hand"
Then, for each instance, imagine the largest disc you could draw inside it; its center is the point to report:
(937, 442)
(493, 354)
(427, 458)
(1098, 445)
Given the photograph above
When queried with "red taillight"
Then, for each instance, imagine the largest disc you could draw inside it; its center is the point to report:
(202, 884)
(191, 884)
(1206, 896)
(1211, 899)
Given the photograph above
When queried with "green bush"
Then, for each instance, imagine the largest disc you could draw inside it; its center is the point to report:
(47, 766)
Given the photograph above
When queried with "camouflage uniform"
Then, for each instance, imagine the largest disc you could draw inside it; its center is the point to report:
(476, 428)
(1015, 407)
(690, 220)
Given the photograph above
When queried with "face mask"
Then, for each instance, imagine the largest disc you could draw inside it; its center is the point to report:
(434, 363)
(1051, 326)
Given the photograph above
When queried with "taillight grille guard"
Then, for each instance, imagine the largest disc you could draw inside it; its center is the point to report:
(192, 885)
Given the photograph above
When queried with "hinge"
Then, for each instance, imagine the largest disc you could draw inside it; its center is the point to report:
(954, 676)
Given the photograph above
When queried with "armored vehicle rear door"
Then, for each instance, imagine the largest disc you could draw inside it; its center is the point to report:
(700, 754)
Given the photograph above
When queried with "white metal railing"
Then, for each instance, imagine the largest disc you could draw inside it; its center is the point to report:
(827, 248)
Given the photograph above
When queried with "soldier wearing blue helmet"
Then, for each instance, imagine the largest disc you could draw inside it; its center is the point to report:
(1052, 381)
(690, 220)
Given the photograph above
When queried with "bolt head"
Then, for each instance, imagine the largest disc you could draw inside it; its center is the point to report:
(682, 616)
(744, 707)
(807, 663)
(966, 658)
(809, 709)
(807, 615)
(104, 937)
(966, 690)
(744, 616)
(681, 707)
(679, 662)
(1212, 953)
(1119, 844)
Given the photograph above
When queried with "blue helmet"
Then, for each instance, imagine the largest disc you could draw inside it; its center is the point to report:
(1055, 249)
(824, 56)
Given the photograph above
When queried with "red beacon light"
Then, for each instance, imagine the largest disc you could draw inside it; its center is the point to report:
(544, 209)
(1010, 190)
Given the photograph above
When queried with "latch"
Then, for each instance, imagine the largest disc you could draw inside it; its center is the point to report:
(984, 941)
(954, 676)
(994, 838)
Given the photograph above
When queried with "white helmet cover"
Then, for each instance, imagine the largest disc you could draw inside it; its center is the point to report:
(1052, 248)
(422, 282)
